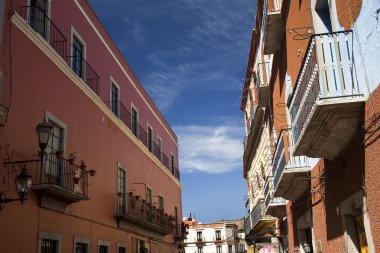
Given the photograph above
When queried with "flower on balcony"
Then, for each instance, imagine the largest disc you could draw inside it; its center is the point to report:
(72, 157)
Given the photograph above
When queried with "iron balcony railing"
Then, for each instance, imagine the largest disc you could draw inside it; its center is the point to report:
(42, 24)
(269, 198)
(247, 224)
(267, 193)
(133, 206)
(329, 75)
(84, 70)
(121, 112)
(124, 115)
(254, 217)
(279, 165)
(62, 173)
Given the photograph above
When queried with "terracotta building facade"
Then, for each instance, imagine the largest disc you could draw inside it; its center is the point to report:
(107, 179)
(311, 94)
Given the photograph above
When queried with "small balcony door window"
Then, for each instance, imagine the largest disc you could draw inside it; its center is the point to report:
(114, 99)
(122, 181)
(150, 139)
(172, 165)
(199, 236)
(218, 249)
(134, 122)
(161, 203)
(149, 203)
(78, 57)
(103, 249)
(229, 248)
(49, 246)
(122, 250)
(53, 164)
(81, 247)
(200, 250)
(38, 12)
(159, 151)
(218, 235)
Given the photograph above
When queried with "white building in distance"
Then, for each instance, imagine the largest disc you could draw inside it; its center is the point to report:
(218, 237)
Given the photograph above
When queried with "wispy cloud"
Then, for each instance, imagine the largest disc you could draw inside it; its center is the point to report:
(205, 54)
(210, 149)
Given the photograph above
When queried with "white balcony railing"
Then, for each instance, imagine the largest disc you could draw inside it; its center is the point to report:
(326, 73)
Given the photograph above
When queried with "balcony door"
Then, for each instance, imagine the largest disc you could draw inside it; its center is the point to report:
(38, 14)
(53, 166)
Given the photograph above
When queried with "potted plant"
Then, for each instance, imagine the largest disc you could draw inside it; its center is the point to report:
(130, 194)
(72, 157)
(92, 172)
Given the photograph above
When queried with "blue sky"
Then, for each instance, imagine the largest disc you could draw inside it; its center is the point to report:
(191, 56)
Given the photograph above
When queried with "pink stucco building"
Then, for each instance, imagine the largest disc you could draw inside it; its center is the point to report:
(122, 192)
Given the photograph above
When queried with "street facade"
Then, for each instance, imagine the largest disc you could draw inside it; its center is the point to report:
(311, 109)
(102, 173)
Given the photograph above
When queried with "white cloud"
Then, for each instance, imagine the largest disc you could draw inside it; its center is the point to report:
(210, 149)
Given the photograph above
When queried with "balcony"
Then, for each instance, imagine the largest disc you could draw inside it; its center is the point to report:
(273, 25)
(252, 141)
(327, 103)
(257, 220)
(290, 179)
(41, 24)
(82, 69)
(60, 183)
(135, 214)
(274, 206)
(124, 115)
(263, 72)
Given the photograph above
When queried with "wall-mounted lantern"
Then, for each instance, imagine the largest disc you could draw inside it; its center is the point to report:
(23, 181)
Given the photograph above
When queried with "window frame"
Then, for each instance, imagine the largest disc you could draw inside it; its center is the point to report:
(103, 243)
(122, 195)
(199, 235)
(82, 240)
(120, 245)
(159, 147)
(172, 163)
(47, 24)
(42, 235)
(114, 84)
(219, 249)
(218, 232)
(135, 132)
(149, 143)
(161, 203)
(49, 117)
(75, 34)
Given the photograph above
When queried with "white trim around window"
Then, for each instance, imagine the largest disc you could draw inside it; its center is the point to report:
(114, 83)
(49, 236)
(83, 240)
(50, 117)
(82, 41)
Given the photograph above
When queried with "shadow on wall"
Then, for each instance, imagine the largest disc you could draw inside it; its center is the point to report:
(343, 178)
